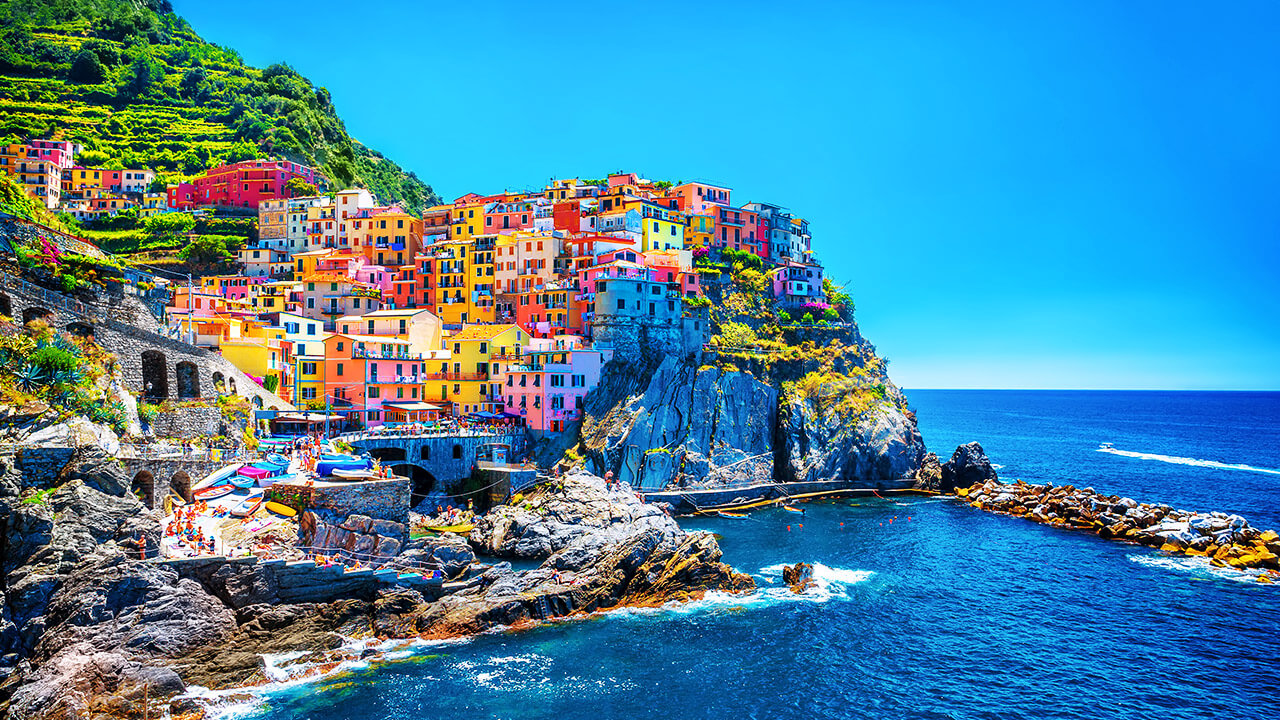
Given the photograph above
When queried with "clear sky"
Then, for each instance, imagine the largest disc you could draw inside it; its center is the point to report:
(1019, 194)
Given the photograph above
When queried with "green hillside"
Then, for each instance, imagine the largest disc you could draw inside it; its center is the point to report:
(133, 81)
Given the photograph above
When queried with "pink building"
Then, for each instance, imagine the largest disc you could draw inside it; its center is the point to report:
(231, 287)
(246, 183)
(797, 283)
(61, 153)
(548, 386)
(695, 197)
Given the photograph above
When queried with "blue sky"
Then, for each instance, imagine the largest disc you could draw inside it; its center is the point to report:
(1051, 194)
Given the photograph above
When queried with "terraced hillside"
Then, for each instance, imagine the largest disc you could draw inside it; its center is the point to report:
(134, 82)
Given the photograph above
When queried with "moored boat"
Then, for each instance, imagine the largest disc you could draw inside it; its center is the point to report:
(792, 508)
(281, 509)
(214, 492)
(248, 506)
(731, 515)
(218, 477)
(462, 528)
(353, 474)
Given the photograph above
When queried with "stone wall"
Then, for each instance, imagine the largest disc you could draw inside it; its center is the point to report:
(380, 499)
(191, 422)
(123, 325)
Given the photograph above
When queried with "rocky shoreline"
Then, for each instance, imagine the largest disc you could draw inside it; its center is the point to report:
(1226, 541)
(90, 631)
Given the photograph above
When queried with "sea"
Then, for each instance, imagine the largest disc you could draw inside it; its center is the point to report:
(925, 607)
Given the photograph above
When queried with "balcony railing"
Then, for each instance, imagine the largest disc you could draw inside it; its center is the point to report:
(457, 376)
(379, 355)
(397, 379)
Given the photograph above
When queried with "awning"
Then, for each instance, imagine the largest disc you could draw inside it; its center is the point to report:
(410, 406)
(486, 415)
(306, 417)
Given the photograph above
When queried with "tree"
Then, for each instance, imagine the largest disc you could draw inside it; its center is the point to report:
(169, 227)
(143, 74)
(207, 250)
(242, 150)
(92, 158)
(298, 187)
(87, 68)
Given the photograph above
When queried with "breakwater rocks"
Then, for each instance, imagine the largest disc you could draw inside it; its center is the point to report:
(1226, 540)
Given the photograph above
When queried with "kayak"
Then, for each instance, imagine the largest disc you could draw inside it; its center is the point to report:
(465, 528)
(248, 506)
(281, 509)
(215, 492)
(792, 508)
(732, 515)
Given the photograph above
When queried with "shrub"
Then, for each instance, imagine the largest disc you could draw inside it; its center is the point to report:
(831, 315)
(808, 318)
(784, 317)
(51, 359)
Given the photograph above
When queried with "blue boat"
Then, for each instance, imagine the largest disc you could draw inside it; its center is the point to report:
(329, 463)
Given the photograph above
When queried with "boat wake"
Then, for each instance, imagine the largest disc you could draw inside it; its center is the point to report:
(1188, 461)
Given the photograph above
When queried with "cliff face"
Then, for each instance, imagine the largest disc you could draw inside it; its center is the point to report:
(677, 425)
(685, 425)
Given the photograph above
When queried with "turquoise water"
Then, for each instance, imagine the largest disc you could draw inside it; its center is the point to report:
(926, 608)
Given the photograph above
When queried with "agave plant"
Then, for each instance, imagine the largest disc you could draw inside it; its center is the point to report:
(30, 378)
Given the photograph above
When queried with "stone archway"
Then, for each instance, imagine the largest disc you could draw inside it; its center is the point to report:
(422, 482)
(388, 455)
(180, 485)
(219, 383)
(6, 305)
(188, 380)
(80, 329)
(155, 375)
(36, 313)
(144, 487)
(231, 383)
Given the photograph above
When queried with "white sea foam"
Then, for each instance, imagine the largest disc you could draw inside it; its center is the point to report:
(1188, 461)
(1196, 566)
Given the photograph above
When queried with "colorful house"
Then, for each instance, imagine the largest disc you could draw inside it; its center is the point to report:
(547, 387)
(249, 182)
(471, 378)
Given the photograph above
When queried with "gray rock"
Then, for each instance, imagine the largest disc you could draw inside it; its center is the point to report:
(968, 466)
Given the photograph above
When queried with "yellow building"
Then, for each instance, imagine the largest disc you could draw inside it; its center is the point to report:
(699, 231)
(473, 375)
(387, 237)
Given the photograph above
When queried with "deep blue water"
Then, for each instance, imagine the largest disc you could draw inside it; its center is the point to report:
(928, 608)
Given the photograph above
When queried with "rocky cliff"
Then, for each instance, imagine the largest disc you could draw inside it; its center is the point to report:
(796, 420)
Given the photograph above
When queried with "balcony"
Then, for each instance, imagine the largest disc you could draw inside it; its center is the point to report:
(396, 379)
(359, 353)
(457, 377)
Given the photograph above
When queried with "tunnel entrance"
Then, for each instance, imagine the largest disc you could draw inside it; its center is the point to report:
(422, 483)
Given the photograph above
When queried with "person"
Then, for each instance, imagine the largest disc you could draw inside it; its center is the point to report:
(608, 479)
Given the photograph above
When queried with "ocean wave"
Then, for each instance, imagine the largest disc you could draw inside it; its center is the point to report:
(1188, 461)
(1196, 566)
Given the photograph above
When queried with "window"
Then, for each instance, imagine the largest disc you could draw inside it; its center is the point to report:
(339, 370)
(311, 329)
(308, 368)
(373, 391)
(622, 304)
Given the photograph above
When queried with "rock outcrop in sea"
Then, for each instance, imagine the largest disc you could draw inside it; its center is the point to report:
(1224, 540)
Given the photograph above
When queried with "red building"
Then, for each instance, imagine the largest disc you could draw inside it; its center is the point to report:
(245, 183)
(181, 196)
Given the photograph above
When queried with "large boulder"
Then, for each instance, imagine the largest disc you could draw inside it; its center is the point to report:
(967, 467)
(104, 625)
(562, 513)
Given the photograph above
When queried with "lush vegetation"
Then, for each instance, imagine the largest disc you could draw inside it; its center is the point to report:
(137, 87)
(15, 201)
(71, 270)
(69, 375)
